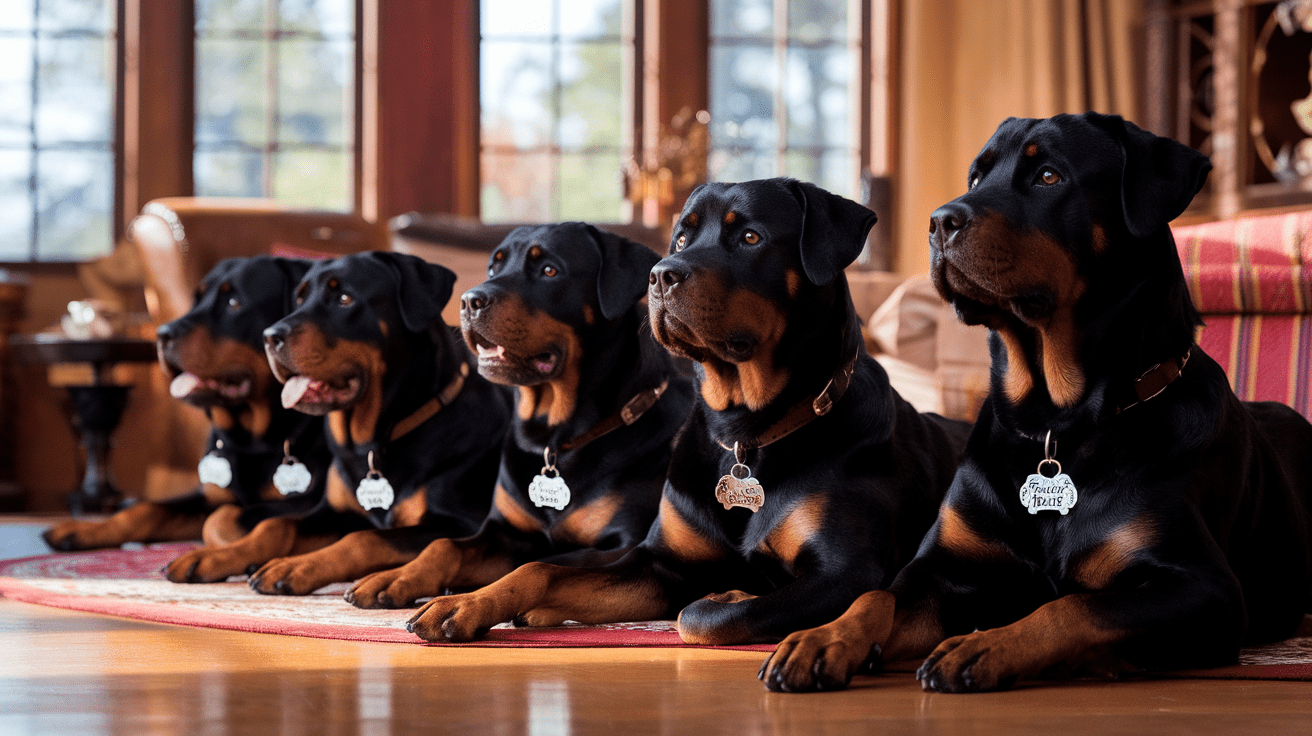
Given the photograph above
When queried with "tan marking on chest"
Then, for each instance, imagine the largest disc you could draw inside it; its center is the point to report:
(682, 539)
(1061, 366)
(337, 428)
(216, 495)
(410, 511)
(584, 525)
(1017, 382)
(790, 536)
(341, 496)
(259, 417)
(222, 418)
(514, 514)
(794, 283)
(956, 536)
(1101, 566)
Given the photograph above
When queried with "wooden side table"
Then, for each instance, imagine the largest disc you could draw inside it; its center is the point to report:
(96, 408)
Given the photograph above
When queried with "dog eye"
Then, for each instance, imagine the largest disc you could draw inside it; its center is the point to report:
(751, 237)
(680, 242)
(973, 183)
(548, 271)
(1049, 177)
(346, 300)
(234, 304)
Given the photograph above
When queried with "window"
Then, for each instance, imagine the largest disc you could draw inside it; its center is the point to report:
(57, 81)
(275, 101)
(556, 129)
(782, 94)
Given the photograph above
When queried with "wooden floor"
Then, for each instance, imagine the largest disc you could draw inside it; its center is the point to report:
(64, 672)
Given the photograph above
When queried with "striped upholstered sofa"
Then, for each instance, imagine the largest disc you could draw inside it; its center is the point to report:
(1252, 280)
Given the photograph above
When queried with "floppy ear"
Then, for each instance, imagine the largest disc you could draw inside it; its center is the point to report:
(293, 270)
(423, 290)
(1159, 179)
(622, 278)
(833, 231)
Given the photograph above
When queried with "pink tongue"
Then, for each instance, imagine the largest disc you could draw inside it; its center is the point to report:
(183, 385)
(293, 390)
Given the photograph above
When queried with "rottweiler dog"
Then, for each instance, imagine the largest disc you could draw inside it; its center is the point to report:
(800, 480)
(415, 435)
(214, 358)
(1117, 506)
(561, 318)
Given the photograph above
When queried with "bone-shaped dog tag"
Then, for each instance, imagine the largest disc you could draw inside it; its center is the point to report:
(1041, 493)
(549, 491)
(735, 491)
(215, 469)
(374, 492)
(291, 477)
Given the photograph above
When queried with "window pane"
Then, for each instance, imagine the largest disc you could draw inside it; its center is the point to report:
(516, 94)
(74, 87)
(82, 15)
(591, 77)
(743, 80)
(17, 15)
(753, 18)
(75, 194)
(15, 206)
(817, 20)
(590, 18)
(15, 91)
(314, 86)
(745, 164)
(230, 15)
(228, 174)
(832, 169)
(331, 18)
(590, 188)
(515, 18)
(817, 94)
(517, 187)
(231, 103)
(313, 179)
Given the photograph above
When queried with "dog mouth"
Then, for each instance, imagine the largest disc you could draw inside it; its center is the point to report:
(738, 346)
(496, 361)
(317, 396)
(233, 387)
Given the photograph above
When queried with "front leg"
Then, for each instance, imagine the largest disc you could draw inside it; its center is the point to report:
(739, 618)
(175, 520)
(270, 538)
(470, 562)
(354, 555)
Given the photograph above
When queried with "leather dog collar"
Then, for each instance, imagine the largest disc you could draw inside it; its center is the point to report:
(1156, 379)
(808, 409)
(433, 405)
(632, 410)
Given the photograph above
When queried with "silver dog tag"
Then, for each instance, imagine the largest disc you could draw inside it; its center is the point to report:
(215, 469)
(374, 492)
(291, 477)
(1041, 493)
(744, 491)
(549, 491)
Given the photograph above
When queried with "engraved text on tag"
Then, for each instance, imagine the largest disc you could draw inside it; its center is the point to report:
(544, 491)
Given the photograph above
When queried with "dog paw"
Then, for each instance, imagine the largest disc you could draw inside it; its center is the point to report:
(202, 566)
(285, 576)
(453, 618)
(70, 536)
(386, 589)
(812, 660)
(967, 664)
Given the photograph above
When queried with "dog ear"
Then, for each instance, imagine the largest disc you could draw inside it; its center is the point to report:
(1159, 178)
(293, 270)
(423, 289)
(622, 278)
(834, 231)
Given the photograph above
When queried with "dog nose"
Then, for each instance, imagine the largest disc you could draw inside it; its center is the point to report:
(475, 301)
(949, 218)
(276, 336)
(664, 276)
(165, 334)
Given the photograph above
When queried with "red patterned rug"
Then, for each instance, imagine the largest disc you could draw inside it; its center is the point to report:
(129, 583)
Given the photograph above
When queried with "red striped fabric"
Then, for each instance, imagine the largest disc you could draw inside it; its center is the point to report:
(1252, 280)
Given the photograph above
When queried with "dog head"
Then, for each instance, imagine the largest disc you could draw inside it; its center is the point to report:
(1062, 217)
(360, 321)
(214, 354)
(551, 289)
(753, 267)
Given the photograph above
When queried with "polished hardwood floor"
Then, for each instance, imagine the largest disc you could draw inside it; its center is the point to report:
(64, 672)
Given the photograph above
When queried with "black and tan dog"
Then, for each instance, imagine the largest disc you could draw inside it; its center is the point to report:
(1175, 526)
(835, 478)
(214, 357)
(561, 318)
(415, 436)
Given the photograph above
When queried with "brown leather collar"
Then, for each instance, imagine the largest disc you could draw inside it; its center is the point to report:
(1156, 379)
(808, 409)
(628, 414)
(433, 405)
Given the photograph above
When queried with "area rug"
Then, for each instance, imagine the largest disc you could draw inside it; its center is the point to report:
(129, 582)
